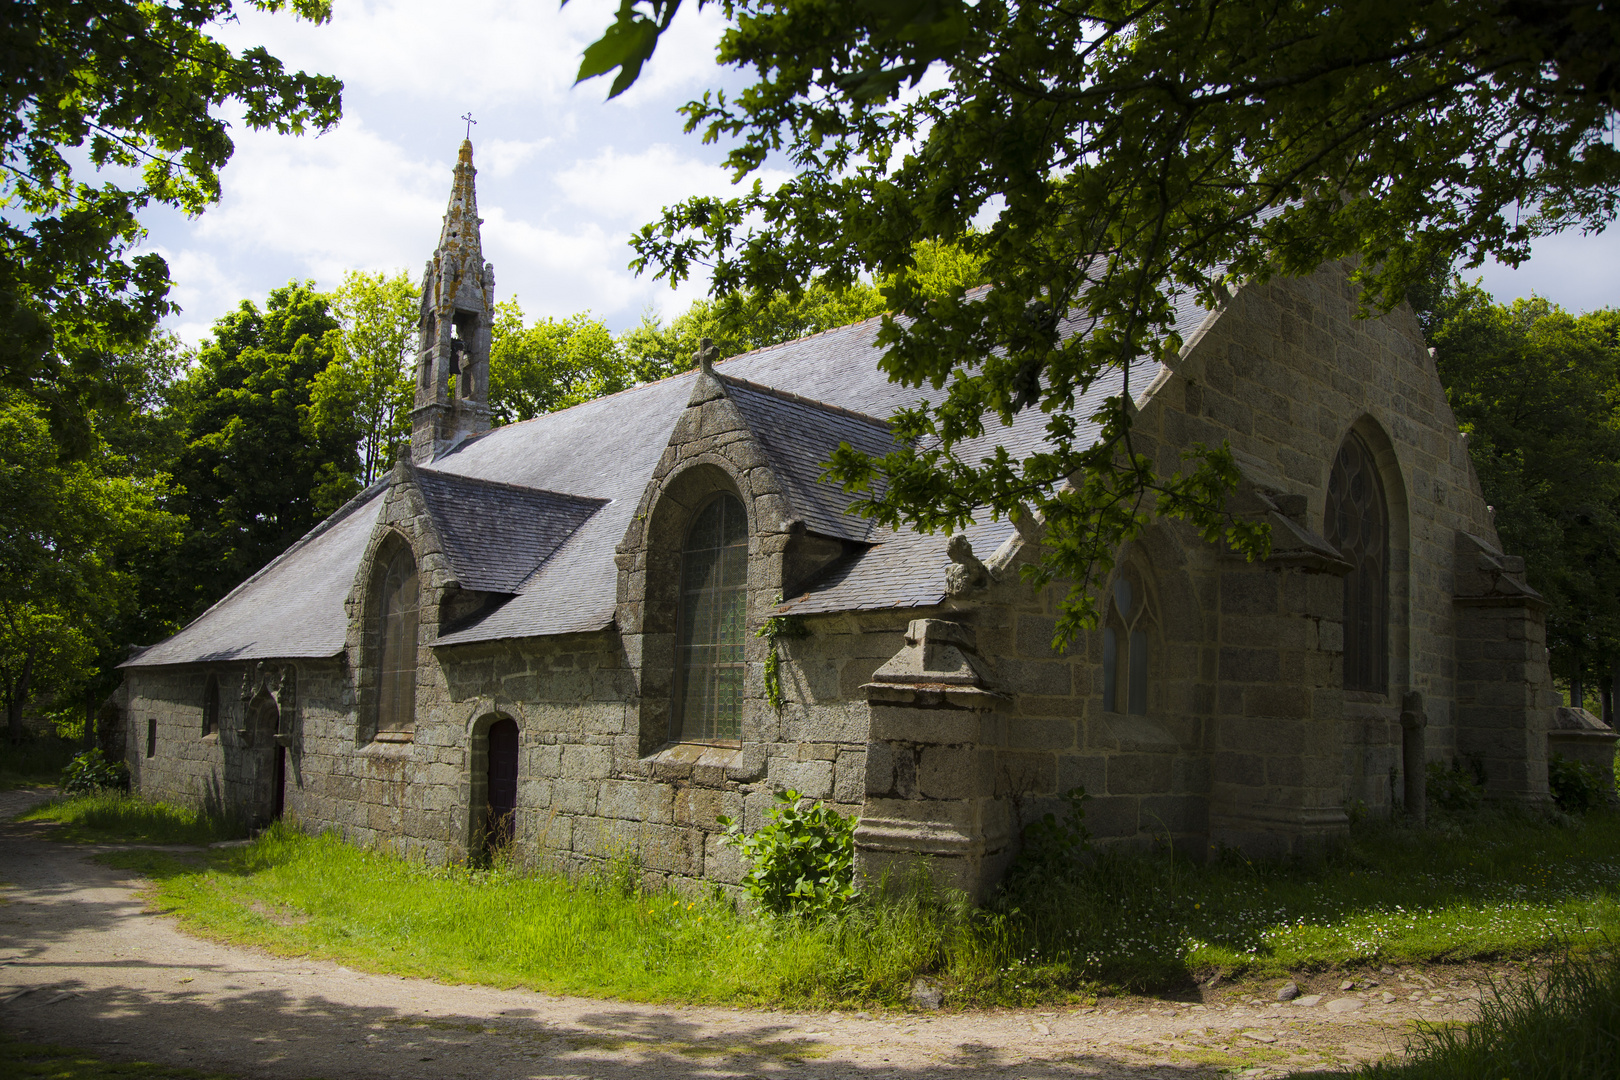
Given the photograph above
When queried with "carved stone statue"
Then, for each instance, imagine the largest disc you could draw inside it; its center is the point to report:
(966, 572)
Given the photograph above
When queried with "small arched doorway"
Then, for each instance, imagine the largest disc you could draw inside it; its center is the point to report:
(500, 820)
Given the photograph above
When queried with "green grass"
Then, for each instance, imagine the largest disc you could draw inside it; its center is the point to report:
(1566, 1026)
(38, 762)
(116, 816)
(1501, 887)
(20, 1060)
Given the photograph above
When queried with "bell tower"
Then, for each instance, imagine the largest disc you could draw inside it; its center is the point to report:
(458, 311)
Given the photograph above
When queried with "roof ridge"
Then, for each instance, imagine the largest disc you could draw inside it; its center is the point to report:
(478, 480)
(804, 337)
(800, 399)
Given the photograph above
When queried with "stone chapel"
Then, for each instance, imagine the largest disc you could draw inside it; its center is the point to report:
(547, 634)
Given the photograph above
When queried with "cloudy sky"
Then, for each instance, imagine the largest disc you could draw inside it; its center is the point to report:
(564, 177)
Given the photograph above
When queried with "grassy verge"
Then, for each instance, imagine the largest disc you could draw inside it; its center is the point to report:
(20, 1059)
(1499, 887)
(114, 815)
(1567, 1026)
(35, 763)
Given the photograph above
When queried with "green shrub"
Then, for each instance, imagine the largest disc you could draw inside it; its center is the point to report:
(91, 771)
(1575, 785)
(802, 861)
(1453, 789)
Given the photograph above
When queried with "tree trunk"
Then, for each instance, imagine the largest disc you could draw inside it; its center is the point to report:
(1577, 688)
(17, 698)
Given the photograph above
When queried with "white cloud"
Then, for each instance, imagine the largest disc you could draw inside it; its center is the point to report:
(348, 200)
(487, 53)
(203, 289)
(500, 158)
(1574, 271)
(637, 186)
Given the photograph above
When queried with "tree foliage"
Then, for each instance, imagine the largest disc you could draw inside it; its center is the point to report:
(1116, 156)
(1538, 392)
(368, 383)
(550, 365)
(254, 473)
(133, 91)
(67, 524)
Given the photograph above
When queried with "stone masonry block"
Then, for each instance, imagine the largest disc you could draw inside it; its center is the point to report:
(636, 800)
(1248, 665)
(1138, 774)
(812, 779)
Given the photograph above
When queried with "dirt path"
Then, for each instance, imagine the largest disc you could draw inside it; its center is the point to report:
(83, 963)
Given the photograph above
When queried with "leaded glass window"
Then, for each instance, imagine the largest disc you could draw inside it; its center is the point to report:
(710, 624)
(1125, 646)
(397, 614)
(1358, 525)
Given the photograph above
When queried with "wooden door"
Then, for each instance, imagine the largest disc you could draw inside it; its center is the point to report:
(503, 775)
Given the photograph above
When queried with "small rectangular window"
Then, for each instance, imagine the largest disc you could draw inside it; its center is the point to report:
(151, 736)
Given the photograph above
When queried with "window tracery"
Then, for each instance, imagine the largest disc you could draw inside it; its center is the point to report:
(712, 613)
(1358, 525)
(1127, 645)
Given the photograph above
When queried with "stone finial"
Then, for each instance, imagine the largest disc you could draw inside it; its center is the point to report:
(966, 572)
(707, 354)
(937, 653)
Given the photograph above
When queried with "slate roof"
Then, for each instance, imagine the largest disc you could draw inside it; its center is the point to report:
(291, 609)
(496, 535)
(537, 508)
(798, 435)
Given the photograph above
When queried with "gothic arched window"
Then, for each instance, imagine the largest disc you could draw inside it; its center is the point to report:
(1358, 525)
(397, 612)
(1126, 637)
(211, 706)
(710, 622)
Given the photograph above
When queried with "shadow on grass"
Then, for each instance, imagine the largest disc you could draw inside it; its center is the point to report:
(36, 762)
(113, 816)
(1499, 884)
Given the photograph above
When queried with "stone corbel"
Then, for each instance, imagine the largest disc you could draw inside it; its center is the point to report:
(1485, 576)
(939, 662)
(1293, 542)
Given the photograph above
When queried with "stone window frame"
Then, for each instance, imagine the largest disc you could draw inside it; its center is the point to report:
(1398, 602)
(211, 706)
(384, 552)
(1120, 654)
(680, 496)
